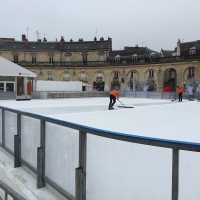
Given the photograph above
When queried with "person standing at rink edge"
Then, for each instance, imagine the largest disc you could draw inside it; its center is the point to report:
(179, 90)
(114, 94)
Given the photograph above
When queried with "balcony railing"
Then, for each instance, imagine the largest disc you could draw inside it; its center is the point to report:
(112, 62)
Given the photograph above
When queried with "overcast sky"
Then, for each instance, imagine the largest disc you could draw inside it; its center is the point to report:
(153, 23)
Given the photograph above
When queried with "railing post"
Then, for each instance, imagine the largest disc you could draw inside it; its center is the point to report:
(17, 143)
(41, 157)
(175, 174)
(80, 193)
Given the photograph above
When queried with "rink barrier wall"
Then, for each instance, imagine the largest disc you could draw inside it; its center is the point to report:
(94, 93)
(80, 184)
(134, 94)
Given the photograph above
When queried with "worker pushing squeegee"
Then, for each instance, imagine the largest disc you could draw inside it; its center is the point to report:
(114, 94)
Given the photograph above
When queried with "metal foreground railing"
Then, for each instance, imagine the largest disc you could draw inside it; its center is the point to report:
(80, 184)
(9, 192)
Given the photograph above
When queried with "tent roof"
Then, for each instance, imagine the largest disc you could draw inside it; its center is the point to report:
(8, 68)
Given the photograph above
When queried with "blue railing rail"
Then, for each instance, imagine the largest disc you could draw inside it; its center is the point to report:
(10, 192)
(80, 187)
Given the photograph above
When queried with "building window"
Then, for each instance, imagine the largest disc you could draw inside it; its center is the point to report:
(50, 59)
(15, 59)
(193, 51)
(84, 59)
(83, 77)
(132, 74)
(34, 60)
(66, 77)
(68, 59)
(116, 75)
(10, 87)
(1, 86)
(7, 86)
(151, 74)
(49, 76)
(191, 72)
(99, 79)
(101, 58)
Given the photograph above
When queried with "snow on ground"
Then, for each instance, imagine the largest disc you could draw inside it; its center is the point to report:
(163, 119)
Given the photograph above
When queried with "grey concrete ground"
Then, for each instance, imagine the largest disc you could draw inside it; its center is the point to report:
(22, 181)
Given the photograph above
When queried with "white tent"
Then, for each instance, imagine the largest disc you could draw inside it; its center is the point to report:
(8, 68)
(14, 80)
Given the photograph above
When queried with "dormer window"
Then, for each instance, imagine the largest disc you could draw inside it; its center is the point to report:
(134, 57)
(117, 58)
(192, 51)
(153, 55)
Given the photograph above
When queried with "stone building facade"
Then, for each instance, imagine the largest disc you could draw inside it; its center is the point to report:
(95, 63)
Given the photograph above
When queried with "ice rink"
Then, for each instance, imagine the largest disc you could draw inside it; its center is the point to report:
(150, 118)
(164, 119)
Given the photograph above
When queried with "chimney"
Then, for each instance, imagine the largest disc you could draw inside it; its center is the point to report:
(24, 38)
(44, 39)
(110, 43)
(62, 39)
